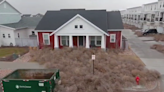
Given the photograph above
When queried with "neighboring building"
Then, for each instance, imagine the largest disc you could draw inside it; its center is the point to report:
(149, 16)
(8, 14)
(38, 15)
(21, 33)
(80, 27)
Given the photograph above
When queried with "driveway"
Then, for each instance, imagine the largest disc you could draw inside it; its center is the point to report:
(150, 57)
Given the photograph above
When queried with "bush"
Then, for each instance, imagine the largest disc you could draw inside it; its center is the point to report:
(158, 47)
(139, 33)
(112, 71)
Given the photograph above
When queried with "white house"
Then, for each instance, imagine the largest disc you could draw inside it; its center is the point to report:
(8, 14)
(151, 16)
(21, 33)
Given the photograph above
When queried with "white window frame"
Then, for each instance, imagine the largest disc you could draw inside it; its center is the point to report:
(67, 40)
(95, 39)
(48, 38)
(3, 35)
(112, 36)
(9, 36)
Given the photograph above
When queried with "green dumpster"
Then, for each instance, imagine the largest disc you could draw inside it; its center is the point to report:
(31, 80)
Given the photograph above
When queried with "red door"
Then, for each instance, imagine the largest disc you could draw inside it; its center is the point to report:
(75, 41)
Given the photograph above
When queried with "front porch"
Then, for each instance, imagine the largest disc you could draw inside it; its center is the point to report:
(87, 41)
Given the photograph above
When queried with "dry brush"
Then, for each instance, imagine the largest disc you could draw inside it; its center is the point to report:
(112, 71)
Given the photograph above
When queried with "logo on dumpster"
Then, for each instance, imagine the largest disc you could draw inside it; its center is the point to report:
(17, 86)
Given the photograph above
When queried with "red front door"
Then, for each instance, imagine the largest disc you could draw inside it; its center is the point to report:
(75, 41)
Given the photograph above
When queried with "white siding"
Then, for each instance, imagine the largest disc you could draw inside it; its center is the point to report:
(87, 28)
(24, 33)
(6, 41)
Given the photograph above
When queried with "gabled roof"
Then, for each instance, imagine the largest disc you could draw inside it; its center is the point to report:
(79, 16)
(30, 22)
(115, 20)
(1, 1)
(52, 20)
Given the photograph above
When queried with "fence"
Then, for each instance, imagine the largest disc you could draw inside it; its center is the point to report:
(124, 44)
(26, 42)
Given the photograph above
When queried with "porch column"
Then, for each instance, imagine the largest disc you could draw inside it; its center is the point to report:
(70, 41)
(103, 42)
(87, 41)
(56, 42)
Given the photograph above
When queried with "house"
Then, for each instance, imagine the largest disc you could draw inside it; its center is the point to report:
(37, 15)
(151, 16)
(80, 27)
(21, 33)
(8, 14)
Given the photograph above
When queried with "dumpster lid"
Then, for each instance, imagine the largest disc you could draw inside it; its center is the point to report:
(32, 74)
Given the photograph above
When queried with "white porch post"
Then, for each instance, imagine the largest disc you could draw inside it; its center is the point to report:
(70, 41)
(103, 42)
(56, 41)
(87, 41)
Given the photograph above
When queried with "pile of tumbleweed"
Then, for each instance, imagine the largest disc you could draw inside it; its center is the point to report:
(112, 71)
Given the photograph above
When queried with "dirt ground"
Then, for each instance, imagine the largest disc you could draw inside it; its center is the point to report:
(133, 28)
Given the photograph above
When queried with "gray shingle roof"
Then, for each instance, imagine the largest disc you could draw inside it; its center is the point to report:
(115, 20)
(54, 19)
(30, 22)
(1, 0)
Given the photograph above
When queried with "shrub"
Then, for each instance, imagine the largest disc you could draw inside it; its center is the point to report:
(112, 71)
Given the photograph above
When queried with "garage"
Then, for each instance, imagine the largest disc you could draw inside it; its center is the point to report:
(160, 29)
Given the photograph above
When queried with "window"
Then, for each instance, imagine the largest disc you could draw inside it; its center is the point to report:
(76, 26)
(33, 33)
(46, 39)
(9, 36)
(92, 40)
(113, 38)
(98, 40)
(18, 35)
(81, 26)
(95, 40)
(65, 40)
(3, 35)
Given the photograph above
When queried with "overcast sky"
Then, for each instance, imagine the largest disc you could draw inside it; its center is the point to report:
(41, 6)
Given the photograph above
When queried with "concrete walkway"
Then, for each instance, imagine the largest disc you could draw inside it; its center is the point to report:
(20, 65)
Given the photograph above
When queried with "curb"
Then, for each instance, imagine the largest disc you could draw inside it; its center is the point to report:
(145, 90)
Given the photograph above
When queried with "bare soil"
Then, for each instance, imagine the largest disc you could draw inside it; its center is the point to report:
(133, 28)
(111, 70)
(158, 47)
